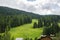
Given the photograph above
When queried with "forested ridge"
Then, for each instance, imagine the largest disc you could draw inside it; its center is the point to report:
(13, 17)
(11, 11)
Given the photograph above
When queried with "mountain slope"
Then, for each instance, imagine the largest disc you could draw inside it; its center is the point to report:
(10, 11)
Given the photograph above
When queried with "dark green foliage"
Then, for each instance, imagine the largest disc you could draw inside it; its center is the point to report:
(40, 23)
(12, 38)
(12, 18)
(50, 24)
(35, 25)
(26, 39)
(51, 30)
(47, 23)
(46, 31)
(35, 38)
(0, 37)
(55, 28)
(7, 36)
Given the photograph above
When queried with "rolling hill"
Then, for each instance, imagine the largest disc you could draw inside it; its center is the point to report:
(11, 11)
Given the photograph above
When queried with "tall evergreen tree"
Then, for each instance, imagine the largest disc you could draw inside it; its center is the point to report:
(35, 25)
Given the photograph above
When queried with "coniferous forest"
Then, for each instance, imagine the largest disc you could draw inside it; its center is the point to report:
(13, 18)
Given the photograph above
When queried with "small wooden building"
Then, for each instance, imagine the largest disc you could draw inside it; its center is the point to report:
(19, 38)
(44, 37)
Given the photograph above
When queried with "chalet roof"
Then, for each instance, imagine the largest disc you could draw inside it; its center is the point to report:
(44, 37)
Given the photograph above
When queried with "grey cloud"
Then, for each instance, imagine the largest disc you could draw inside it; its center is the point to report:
(31, 0)
(27, 7)
(22, 5)
(32, 8)
(55, 1)
(58, 0)
(56, 12)
(50, 6)
(8, 2)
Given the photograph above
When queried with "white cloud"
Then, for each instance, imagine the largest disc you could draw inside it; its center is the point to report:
(37, 6)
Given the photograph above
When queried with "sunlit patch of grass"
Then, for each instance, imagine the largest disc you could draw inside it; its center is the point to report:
(26, 31)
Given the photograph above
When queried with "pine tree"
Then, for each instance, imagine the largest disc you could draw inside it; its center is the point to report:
(35, 25)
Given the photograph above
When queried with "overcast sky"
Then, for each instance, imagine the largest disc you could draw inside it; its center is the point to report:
(43, 7)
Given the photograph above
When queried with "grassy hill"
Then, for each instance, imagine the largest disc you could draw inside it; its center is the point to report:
(26, 31)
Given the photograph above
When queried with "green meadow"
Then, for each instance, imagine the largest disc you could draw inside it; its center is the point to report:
(26, 31)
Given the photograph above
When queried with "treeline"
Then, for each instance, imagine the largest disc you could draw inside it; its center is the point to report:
(13, 21)
(13, 17)
(11, 11)
(49, 23)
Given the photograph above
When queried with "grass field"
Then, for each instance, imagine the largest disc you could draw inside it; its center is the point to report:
(26, 31)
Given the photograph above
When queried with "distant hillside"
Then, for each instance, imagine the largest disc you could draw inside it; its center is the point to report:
(9, 11)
